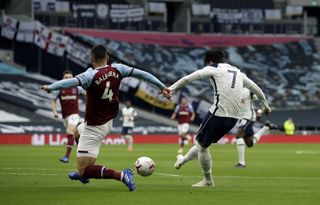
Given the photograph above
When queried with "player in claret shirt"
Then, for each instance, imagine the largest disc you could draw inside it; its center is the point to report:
(186, 115)
(69, 109)
(102, 105)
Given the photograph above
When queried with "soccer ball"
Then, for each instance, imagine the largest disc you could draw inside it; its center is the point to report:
(145, 166)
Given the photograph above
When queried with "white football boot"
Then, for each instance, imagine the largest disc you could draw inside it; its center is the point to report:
(178, 163)
(204, 183)
(180, 150)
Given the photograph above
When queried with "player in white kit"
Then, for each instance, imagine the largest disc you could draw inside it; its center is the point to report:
(128, 116)
(245, 133)
(227, 82)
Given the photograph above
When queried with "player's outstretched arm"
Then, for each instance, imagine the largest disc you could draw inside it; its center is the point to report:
(143, 75)
(61, 84)
(55, 96)
(174, 114)
(248, 83)
(127, 71)
(193, 114)
(54, 108)
(81, 91)
(197, 75)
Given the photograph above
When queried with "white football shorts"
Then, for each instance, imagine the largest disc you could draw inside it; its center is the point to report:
(91, 138)
(183, 128)
(72, 119)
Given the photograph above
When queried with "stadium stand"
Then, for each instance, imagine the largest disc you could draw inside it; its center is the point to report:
(246, 16)
(24, 109)
(291, 81)
(275, 42)
(249, 4)
(285, 79)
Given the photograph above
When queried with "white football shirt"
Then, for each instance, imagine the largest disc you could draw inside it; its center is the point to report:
(128, 115)
(227, 82)
(247, 108)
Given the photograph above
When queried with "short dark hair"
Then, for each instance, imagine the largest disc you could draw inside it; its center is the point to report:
(99, 53)
(214, 55)
(67, 72)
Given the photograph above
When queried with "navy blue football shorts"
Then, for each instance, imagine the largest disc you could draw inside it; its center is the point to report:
(247, 127)
(126, 131)
(213, 128)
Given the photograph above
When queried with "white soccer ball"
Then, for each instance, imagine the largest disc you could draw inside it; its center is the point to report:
(145, 166)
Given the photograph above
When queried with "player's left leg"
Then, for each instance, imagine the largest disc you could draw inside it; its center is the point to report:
(76, 134)
(250, 138)
(88, 150)
(182, 142)
(87, 169)
(130, 139)
(204, 139)
(127, 135)
(205, 160)
(242, 138)
(130, 142)
(210, 132)
(265, 130)
(102, 172)
(183, 130)
(71, 125)
(253, 138)
(70, 135)
(191, 155)
(240, 148)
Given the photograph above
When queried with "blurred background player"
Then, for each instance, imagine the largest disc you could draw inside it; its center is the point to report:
(128, 116)
(68, 99)
(227, 82)
(102, 84)
(245, 134)
(186, 115)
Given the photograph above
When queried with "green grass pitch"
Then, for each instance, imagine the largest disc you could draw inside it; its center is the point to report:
(275, 174)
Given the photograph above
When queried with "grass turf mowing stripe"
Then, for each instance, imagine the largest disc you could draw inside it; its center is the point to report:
(156, 173)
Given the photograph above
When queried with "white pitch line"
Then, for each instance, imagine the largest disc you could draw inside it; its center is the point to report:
(156, 173)
(35, 169)
(240, 177)
(169, 175)
(306, 152)
(29, 174)
(263, 177)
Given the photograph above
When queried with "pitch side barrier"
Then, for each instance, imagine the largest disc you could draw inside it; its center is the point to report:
(55, 139)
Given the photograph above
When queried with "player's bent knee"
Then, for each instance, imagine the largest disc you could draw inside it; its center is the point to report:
(76, 133)
(83, 162)
(240, 133)
(249, 143)
(201, 148)
(71, 129)
(76, 137)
